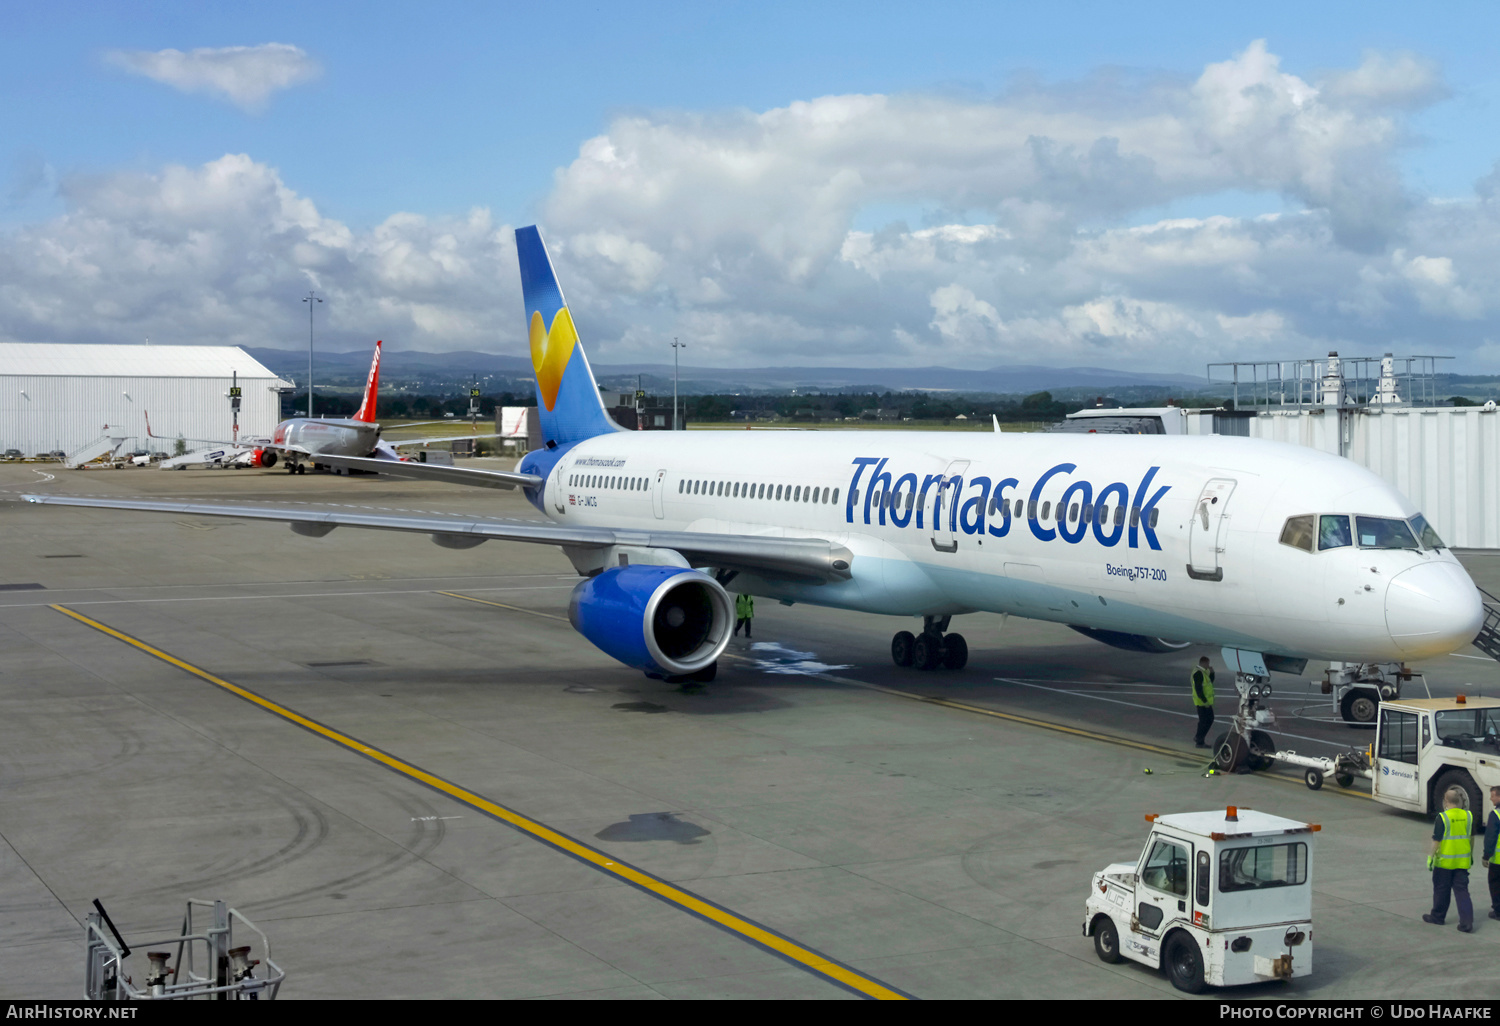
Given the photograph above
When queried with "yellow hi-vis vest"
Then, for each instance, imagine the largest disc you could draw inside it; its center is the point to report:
(1456, 849)
(1204, 680)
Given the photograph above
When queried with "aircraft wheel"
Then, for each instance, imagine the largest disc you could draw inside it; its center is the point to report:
(927, 651)
(1228, 752)
(901, 648)
(1261, 745)
(1360, 706)
(955, 652)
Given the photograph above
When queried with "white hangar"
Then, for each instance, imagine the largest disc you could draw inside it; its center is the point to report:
(67, 397)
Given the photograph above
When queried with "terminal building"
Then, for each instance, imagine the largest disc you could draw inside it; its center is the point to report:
(69, 398)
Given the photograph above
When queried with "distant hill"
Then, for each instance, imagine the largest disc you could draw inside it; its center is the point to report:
(452, 370)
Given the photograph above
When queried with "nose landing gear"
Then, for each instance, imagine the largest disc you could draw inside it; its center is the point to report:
(932, 648)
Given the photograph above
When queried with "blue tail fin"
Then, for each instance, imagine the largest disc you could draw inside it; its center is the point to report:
(567, 396)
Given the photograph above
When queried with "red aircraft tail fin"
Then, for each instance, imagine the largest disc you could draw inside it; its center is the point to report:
(367, 408)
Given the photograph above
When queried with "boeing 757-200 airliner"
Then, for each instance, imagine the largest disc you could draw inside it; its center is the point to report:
(1282, 552)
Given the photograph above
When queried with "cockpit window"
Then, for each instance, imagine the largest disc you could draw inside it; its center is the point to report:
(1425, 534)
(1333, 531)
(1383, 533)
(1298, 533)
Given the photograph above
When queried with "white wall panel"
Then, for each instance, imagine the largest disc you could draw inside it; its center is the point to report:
(1446, 459)
(42, 413)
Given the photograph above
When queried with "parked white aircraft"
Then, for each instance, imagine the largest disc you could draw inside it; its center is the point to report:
(299, 441)
(1279, 551)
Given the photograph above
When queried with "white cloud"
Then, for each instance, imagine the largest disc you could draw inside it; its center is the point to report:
(733, 230)
(244, 75)
(221, 253)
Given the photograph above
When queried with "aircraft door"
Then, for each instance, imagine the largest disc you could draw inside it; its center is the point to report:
(1208, 531)
(658, 487)
(943, 500)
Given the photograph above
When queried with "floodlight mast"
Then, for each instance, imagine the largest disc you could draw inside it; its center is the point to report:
(311, 300)
(676, 420)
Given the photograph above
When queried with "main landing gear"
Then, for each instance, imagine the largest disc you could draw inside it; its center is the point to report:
(932, 648)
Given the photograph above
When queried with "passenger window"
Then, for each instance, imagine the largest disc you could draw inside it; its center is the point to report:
(835, 495)
(1135, 516)
(799, 493)
(1333, 532)
(1031, 510)
(1119, 515)
(1073, 512)
(680, 486)
(1167, 868)
(778, 492)
(1020, 508)
(1046, 509)
(825, 496)
(1298, 533)
(1155, 516)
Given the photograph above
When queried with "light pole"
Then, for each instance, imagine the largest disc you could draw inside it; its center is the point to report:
(311, 300)
(676, 420)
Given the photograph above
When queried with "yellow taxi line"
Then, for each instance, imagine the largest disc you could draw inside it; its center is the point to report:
(786, 948)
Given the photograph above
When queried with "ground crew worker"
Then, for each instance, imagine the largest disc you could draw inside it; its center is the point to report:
(1452, 855)
(1491, 835)
(744, 612)
(1203, 698)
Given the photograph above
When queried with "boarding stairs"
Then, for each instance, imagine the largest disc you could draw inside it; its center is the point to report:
(1488, 640)
(108, 443)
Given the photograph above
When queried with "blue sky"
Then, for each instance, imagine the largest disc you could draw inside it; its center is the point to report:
(436, 110)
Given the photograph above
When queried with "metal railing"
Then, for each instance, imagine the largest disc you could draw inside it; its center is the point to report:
(228, 972)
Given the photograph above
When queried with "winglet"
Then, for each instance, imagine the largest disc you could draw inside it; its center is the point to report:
(372, 386)
(996, 420)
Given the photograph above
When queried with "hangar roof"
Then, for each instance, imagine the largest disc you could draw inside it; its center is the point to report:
(41, 359)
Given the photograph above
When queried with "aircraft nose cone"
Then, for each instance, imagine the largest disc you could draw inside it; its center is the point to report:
(1432, 609)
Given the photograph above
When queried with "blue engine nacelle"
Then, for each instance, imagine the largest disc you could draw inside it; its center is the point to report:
(664, 620)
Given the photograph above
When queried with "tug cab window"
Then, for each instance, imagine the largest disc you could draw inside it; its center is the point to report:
(1298, 533)
(1167, 868)
(1262, 867)
(1333, 532)
(1474, 730)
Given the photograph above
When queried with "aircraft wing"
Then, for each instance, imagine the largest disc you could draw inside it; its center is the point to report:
(803, 559)
(400, 442)
(435, 472)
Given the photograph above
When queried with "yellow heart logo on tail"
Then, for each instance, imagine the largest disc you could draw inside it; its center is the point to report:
(550, 352)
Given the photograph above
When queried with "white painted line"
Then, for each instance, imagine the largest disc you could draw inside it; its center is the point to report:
(1157, 709)
(369, 593)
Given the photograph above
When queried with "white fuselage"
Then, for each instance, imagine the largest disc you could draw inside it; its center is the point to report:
(1172, 537)
(327, 436)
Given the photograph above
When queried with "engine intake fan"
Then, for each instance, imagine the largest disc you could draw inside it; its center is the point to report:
(660, 619)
